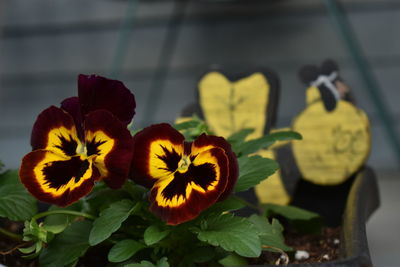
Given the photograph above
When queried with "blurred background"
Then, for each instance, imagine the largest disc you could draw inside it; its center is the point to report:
(160, 49)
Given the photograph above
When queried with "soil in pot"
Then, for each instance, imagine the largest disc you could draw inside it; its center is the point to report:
(313, 248)
(9, 254)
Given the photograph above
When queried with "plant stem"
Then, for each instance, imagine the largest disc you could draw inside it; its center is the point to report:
(66, 212)
(11, 235)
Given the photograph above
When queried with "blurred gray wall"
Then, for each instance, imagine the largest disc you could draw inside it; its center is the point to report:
(45, 44)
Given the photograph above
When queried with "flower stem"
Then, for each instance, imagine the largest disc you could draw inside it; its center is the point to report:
(66, 212)
(11, 235)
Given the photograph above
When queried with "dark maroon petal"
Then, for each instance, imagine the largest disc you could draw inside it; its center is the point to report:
(73, 107)
(96, 93)
(186, 212)
(215, 141)
(51, 118)
(146, 163)
(56, 179)
(111, 143)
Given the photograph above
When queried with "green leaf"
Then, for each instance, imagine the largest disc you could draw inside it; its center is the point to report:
(137, 192)
(56, 223)
(240, 136)
(31, 231)
(229, 204)
(153, 234)
(39, 246)
(124, 249)
(200, 255)
(193, 128)
(187, 125)
(300, 220)
(16, 203)
(232, 234)
(233, 260)
(72, 264)
(253, 170)
(286, 136)
(141, 264)
(31, 256)
(163, 262)
(103, 198)
(9, 177)
(68, 246)
(110, 220)
(134, 131)
(32, 251)
(270, 233)
(237, 139)
(37, 234)
(289, 212)
(28, 249)
(264, 142)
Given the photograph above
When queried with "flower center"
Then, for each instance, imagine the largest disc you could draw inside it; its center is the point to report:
(81, 149)
(82, 152)
(89, 148)
(184, 163)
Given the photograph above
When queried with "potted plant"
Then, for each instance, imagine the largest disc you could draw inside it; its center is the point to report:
(177, 208)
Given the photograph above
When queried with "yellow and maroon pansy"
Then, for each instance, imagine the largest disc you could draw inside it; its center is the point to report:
(185, 178)
(84, 141)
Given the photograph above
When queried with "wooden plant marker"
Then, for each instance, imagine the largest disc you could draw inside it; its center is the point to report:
(336, 143)
(232, 106)
(248, 102)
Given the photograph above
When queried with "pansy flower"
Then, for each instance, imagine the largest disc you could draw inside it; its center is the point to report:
(185, 178)
(84, 141)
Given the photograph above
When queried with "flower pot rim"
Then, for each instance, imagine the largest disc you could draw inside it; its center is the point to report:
(362, 201)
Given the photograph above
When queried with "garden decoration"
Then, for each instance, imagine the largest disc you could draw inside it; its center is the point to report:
(158, 198)
(250, 102)
(344, 198)
(336, 143)
(336, 133)
(325, 84)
